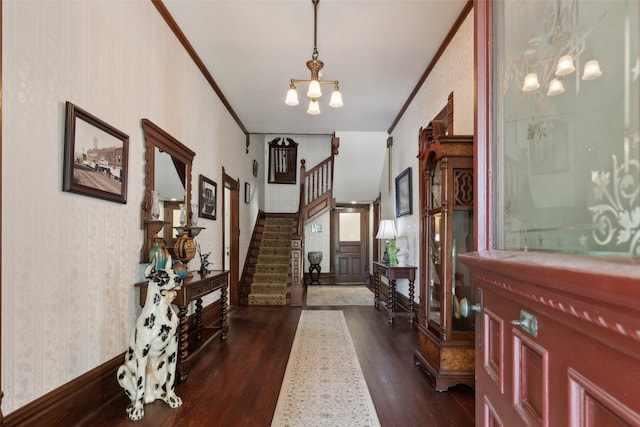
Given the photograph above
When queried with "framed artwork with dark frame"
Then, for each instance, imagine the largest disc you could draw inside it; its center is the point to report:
(207, 201)
(255, 168)
(95, 157)
(404, 199)
(247, 192)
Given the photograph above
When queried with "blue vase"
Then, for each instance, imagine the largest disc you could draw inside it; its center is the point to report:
(160, 258)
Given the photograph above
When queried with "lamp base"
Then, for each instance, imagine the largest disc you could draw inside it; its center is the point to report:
(393, 252)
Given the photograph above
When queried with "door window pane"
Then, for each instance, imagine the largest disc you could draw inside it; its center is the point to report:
(349, 227)
(566, 126)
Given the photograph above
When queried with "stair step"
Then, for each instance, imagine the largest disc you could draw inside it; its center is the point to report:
(257, 299)
(270, 277)
(268, 288)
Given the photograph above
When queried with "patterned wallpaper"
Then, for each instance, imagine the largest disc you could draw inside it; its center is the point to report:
(70, 261)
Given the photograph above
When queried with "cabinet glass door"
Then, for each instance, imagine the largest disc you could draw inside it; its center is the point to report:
(435, 269)
(461, 280)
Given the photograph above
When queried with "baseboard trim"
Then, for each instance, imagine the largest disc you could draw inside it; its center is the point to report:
(82, 397)
(72, 402)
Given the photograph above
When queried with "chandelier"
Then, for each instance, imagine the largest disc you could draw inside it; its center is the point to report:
(314, 65)
(567, 42)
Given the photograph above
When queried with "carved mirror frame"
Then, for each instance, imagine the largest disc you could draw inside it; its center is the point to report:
(154, 137)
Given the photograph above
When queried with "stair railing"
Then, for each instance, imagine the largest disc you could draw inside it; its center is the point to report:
(318, 189)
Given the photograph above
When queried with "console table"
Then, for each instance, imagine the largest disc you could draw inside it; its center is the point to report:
(194, 289)
(393, 272)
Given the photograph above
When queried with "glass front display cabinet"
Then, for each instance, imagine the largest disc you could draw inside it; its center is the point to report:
(446, 335)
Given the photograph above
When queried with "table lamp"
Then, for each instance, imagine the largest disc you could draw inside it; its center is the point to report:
(387, 231)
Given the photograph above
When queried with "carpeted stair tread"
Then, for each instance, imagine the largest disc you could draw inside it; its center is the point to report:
(267, 299)
(275, 251)
(268, 288)
(276, 243)
(272, 268)
(274, 259)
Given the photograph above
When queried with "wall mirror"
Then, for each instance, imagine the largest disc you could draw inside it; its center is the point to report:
(167, 171)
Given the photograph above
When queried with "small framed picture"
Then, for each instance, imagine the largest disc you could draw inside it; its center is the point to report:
(404, 193)
(247, 192)
(95, 157)
(255, 168)
(207, 198)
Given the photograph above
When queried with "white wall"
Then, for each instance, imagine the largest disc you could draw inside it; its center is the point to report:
(454, 72)
(70, 261)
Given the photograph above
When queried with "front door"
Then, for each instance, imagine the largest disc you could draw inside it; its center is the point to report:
(350, 227)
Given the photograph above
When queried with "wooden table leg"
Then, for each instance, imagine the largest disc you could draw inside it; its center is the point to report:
(223, 313)
(183, 344)
(391, 299)
(376, 295)
(411, 292)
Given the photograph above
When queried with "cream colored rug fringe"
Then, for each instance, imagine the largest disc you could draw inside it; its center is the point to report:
(338, 295)
(323, 384)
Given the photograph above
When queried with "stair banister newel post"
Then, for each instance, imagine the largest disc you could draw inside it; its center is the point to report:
(297, 245)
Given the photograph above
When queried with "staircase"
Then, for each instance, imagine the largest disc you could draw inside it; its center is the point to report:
(273, 271)
(270, 284)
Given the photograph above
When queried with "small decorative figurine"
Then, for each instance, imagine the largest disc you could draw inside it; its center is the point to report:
(204, 261)
(149, 370)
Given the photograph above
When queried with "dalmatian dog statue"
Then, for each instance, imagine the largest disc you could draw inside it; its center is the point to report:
(149, 370)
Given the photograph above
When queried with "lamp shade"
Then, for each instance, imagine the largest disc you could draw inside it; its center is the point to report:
(314, 107)
(591, 70)
(555, 87)
(314, 89)
(292, 97)
(336, 98)
(530, 83)
(387, 230)
(565, 66)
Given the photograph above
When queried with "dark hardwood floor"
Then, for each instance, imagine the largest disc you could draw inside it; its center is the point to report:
(237, 382)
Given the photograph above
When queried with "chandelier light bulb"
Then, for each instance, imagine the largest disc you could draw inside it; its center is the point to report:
(292, 96)
(565, 66)
(555, 87)
(314, 107)
(314, 89)
(531, 83)
(336, 98)
(591, 70)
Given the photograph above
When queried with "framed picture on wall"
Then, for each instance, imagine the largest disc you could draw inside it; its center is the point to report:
(95, 157)
(255, 168)
(404, 198)
(207, 191)
(247, 192)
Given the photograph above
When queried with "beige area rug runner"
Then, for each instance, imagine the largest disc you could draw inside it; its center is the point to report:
(339, 295)
(323, 384)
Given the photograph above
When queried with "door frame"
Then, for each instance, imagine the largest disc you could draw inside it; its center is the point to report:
(233, 185)
(364, 232)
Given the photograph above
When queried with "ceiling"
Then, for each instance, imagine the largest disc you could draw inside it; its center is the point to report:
(377, 49)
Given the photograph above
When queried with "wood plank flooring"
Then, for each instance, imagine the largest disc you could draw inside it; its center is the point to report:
(237, 382)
